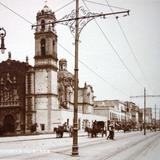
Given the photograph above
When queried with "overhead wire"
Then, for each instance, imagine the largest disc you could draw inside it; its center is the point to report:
(105, 5)
(115, 51)
(127, 41)
(90, 69)
(67, 50)
(64, 6)
(16, 13)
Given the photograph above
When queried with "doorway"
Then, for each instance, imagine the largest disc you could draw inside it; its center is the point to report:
(9, 124)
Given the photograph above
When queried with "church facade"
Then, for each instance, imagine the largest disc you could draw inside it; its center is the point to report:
(42, 95)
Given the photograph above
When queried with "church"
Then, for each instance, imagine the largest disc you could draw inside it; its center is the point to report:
(42, 95)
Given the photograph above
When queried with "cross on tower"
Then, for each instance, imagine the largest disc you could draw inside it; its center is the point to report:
(45, 2)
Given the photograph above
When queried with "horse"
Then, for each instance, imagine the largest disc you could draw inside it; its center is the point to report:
(59, 131)
(91, 131)
(88, 130)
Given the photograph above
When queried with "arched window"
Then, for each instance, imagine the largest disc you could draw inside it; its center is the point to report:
(54, 50)
(43, 25)
(43, 47)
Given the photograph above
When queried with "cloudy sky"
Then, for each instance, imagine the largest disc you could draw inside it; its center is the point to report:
(117, 57)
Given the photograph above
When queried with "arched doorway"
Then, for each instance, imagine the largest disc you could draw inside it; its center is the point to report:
(9, 124)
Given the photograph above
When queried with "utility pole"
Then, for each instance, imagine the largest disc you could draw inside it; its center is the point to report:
(159, 119)
(75, 118)
(77, 34)
(144, 96)
(76, 24)
(155, 118)
(144, 111)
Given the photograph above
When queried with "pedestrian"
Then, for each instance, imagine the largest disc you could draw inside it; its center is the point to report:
(111, 132)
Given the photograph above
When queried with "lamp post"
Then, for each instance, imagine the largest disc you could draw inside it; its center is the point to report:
(2, 35)
(75, 118)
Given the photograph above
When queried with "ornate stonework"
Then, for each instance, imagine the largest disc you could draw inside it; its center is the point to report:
(12, 94)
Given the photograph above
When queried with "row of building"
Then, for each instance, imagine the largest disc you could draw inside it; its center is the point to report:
(43, 94)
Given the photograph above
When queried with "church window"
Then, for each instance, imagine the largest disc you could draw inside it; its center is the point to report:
(55, 54)
(43, 25)
(43, 47)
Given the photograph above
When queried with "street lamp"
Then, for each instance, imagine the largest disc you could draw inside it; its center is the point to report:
(2, 35)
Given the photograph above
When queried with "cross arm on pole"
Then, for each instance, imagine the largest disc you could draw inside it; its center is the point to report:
(141, 96)
(95, 15)
(71, 18)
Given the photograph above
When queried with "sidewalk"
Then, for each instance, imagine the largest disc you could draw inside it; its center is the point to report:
(36, 137)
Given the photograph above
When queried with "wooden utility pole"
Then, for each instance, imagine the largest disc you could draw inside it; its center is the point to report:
(155, 118)
(144, 96)
(159, 119)
(144, 111)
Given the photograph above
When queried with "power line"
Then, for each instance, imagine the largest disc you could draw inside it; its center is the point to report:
(115, 51)
(90, 69)
(127, 41)
(104, 4)
(122, 30)
(16, 13)
(64, 6)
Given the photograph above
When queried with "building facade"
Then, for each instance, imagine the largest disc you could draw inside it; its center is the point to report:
(41, 97)
(13, 95)
(114, 110)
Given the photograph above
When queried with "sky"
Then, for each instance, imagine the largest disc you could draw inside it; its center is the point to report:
(118, 58)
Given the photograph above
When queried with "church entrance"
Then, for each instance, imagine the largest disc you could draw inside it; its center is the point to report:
(9, 124)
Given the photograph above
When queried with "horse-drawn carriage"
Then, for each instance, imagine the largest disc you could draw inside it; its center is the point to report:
(61, 129)
(97, 127)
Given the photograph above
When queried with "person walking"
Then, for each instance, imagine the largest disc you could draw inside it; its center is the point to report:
(111, 132)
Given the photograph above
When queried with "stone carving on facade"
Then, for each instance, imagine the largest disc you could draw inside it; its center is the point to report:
(9, 93)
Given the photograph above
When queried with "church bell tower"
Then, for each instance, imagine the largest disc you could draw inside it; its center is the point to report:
(45, 69)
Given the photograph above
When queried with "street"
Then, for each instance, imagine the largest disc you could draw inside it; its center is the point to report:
(126, 146)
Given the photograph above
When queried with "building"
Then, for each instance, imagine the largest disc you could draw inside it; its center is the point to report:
(41, 96)
(113, 110)
(148, 115)
(132, 112)
(13, 95)
(66, 99)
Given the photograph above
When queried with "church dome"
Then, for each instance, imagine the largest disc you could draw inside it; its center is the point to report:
(63, 73)
(62, 60)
